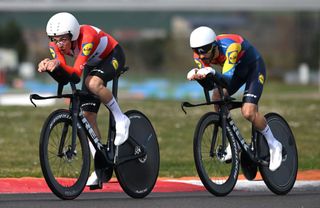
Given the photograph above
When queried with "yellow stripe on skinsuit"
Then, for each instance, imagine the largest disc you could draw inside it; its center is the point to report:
(231, 57)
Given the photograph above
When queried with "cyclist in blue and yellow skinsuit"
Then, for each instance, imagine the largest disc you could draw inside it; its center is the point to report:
(241, 64)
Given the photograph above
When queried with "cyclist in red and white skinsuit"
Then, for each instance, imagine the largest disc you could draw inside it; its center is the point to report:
(99, 57)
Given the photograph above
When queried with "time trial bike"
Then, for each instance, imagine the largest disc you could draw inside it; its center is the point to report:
(216, 131)
(65, 156)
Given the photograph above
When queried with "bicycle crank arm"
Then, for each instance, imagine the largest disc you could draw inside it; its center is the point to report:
(128, 158)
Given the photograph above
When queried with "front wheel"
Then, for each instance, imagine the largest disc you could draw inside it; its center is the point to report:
(64, 170)
(282, 180)
(218, 175)
(138, 176)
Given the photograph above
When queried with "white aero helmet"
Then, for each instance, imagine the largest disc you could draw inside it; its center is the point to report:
(63, 23)
(202, 36)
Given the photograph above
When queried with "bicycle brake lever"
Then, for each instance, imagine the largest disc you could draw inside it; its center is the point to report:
(33, 96)
(185, 104)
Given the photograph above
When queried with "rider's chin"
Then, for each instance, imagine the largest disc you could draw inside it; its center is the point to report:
(63, 51)
(206, 60)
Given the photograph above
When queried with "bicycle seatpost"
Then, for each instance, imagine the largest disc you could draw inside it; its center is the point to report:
(116, 80)
(112, 123)
(115, 87)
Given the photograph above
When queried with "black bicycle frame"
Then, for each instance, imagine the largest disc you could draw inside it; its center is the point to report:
(226, 104)
(79, 121)
(79, 118)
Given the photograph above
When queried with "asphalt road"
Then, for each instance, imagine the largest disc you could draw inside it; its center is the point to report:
(297, 198)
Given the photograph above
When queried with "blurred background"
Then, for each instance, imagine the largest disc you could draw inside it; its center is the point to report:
(154, 34)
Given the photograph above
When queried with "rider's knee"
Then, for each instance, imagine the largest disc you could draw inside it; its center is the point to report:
(249, 113)
(215, 95)
(94, 85)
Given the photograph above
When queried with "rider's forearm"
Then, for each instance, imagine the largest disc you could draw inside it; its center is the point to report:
(222, 79)
(71, 70)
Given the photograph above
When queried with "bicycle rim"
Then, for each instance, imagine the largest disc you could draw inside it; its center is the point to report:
(137, 177)
(282, 180)
(218, 176)
(65, 172)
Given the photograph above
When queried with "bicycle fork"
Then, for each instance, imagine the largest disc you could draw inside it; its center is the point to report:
(223, 121)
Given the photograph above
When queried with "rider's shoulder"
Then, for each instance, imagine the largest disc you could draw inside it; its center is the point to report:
(230, 37)
(88, 29)
(88, 33)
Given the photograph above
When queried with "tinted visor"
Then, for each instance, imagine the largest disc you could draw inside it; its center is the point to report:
(205, 49)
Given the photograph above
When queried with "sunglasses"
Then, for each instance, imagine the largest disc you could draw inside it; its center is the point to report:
(205, 49)
(60, 41)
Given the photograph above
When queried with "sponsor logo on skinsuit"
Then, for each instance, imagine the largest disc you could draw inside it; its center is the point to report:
(261, 78)
(115, 64)
(232, 56)
(86, 48)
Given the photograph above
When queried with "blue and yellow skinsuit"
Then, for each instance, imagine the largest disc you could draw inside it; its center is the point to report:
(241, 64)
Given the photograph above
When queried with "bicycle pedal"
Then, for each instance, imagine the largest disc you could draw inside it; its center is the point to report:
(94, 187)
(228, 161)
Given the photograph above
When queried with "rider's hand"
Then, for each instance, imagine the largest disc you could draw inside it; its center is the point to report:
(52, 64)
(192, 73)
(42, 66)
(197, 74)
(48, 65)
(206, 70)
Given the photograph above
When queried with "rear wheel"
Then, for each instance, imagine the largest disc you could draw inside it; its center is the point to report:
(138, 176)
(64, 170)
(217, 175)
(282, 180)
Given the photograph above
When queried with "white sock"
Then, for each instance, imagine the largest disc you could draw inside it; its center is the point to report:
(267, 133)
(92, 149)
(115, 109)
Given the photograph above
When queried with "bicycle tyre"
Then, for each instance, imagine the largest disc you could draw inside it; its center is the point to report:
(282, 180)
(218, 177)
(137, 177)
(65, 172)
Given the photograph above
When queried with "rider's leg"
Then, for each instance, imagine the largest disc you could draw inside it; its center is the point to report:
(216, 96)
(253, 91)
(94, 81)
(250, 112)
(92, 119)
(96, 85)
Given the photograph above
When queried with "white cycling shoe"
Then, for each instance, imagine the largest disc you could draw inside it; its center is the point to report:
(122, 131)
(275, 156)
(93, 179)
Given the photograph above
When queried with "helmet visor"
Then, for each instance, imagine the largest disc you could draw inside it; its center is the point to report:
(205, 49)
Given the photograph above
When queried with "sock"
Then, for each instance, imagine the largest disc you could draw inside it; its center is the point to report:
(267, 133)
(113, 106)
(92, 149)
